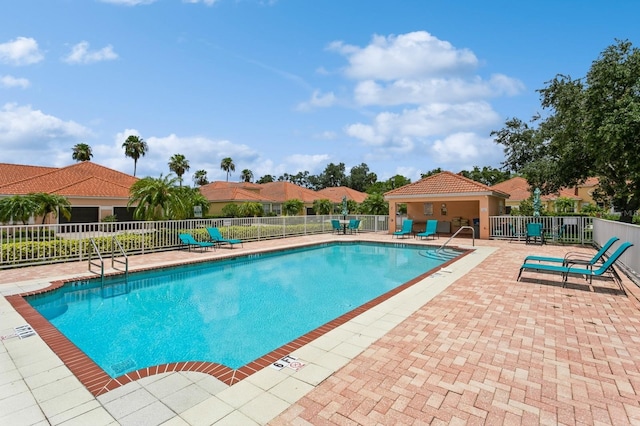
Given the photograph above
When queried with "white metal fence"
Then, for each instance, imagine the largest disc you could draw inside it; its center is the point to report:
(605, 229)
(557, 229)
(22, 245)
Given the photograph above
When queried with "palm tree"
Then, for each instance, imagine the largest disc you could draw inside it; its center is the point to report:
(246, 175)
(135, 147)
(227, 165)
(17, 207)
(200, 178)
(322, 206)
(292, 207)
(178, 164)
(375, 204)
(156, 198)
(51, 203)
(81, 152)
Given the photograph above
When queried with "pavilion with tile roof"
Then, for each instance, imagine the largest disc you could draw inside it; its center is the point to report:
(453, 200)
(94, 191)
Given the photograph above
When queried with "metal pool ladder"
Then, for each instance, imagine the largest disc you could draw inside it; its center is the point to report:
(115, 244)
(473, 237)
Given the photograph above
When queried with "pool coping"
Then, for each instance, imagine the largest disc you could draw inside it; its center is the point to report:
(98, 382)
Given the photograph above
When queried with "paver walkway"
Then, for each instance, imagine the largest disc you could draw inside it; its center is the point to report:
(491, 350)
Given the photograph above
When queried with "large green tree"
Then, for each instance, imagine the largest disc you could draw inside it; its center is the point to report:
(361, 178)
(333, 176)
(179, 165)
(591, 128)
(228, 166)
(135, 147)
(81, 152)
(487, 175)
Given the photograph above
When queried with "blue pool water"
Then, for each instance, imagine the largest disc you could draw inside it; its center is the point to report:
(230, 312)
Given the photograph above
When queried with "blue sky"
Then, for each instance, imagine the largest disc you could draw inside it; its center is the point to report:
(284, 86)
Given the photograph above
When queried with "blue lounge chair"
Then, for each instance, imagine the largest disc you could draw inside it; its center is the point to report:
(407, 226)
(335, 225)
(189, 241)
(573, 258)
(354, 224)
(217, 238)
(430, 230)
(574, 270)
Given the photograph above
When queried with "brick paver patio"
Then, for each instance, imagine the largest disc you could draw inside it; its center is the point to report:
(487, 350)
(491, 350)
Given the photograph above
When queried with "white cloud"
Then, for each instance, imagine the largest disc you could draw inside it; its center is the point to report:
(318, 100)
(20, 51)
(466, 149)
(80, 54)
(300, 163)
(411, 55)
(11, 81)
(424, 121)
(421, 91)
(25, 129)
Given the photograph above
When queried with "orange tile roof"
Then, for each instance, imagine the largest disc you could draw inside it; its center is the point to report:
(214, 194)
(283, 191)
(445, 183)
(83, 179)
(222, 184)
(335, 194)
(518, 188)
(10, 173)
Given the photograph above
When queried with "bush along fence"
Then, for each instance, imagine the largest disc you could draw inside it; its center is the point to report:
(23, 245)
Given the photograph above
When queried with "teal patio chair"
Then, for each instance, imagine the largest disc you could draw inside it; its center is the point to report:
(335, 225)
(430, 230)
(407, 226)
(573, 258)
(353, 226)
(217, 238)
(534, 232)
(565, 271)
(189, 241)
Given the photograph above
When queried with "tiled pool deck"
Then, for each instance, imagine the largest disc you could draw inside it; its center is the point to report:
(468, 345)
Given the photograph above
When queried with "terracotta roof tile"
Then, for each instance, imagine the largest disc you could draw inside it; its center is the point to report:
(444, 183)
(232, 194)
(84, 179)
(10, 173)
(335, 194)
(283, 191)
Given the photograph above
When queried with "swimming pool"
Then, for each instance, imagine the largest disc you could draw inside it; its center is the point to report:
(228, 311)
